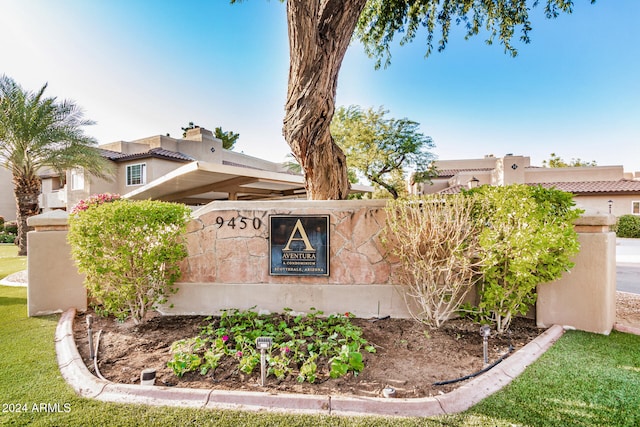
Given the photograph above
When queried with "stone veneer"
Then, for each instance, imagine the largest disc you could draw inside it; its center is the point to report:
(229, 268)
(223, 254)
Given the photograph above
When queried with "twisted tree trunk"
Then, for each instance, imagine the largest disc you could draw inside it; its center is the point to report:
(27, 190)
(319, 34)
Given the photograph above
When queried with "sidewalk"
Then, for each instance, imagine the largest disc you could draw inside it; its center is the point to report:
(15, 279)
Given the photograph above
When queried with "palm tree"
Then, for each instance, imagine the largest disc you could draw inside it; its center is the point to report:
(37, 132)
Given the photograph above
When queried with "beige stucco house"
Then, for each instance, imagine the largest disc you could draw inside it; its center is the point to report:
(597, 189)
(194, 170)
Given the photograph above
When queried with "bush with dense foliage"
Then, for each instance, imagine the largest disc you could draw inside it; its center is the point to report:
(129, 252)
(8, 231)
(527, 239)
(7, 238)
(628, 226)
(11, 227)
(93, 201)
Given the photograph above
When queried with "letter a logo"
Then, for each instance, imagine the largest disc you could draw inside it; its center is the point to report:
(303, 236)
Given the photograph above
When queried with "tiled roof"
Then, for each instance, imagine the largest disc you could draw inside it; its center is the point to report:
(591, 187)
(455, 189)
(158, 153)
(623, 186)
(111, 155)
(448, 173)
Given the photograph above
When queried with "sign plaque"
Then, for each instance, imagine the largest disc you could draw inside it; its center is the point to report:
(299, 245)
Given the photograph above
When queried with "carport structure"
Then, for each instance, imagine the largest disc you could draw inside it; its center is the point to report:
(199, 183)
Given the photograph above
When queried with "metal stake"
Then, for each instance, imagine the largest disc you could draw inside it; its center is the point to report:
(485, 331)
(90, 333)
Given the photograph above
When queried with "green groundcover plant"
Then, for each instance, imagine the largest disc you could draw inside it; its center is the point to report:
(301, 343)
(129, 252)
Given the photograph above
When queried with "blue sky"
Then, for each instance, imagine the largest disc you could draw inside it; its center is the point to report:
(142, 68)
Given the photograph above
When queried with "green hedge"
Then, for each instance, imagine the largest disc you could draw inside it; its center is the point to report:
(129, 252)
(7, 238)
(11, 227)
(628, 226)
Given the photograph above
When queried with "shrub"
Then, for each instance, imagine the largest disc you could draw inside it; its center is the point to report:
(7, 238)
(436, 242)
(628, 226)
(129, 252)
(1, 223)
(527, 239)
(93, 201)
(11, 227)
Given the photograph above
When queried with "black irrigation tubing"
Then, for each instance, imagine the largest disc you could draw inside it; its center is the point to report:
(475, 374)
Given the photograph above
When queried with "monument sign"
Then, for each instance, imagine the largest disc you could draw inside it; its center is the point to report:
(299, 245)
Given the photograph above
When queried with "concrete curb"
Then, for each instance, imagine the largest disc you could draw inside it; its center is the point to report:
(85, 384)
(626, 329)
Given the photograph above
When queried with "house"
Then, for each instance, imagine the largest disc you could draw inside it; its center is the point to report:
(596, 189)
(7, 198)
(194, 170)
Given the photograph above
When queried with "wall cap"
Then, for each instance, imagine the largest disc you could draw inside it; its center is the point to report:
(55, 217)
(289, 204)
(596, 219)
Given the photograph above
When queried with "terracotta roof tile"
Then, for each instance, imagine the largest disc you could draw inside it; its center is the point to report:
(588, 187)
(111, 155)
(454, 189)
(623, 186)
(159, 153)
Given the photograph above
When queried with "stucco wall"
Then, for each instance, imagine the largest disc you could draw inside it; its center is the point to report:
(585, 297)
(7, 198)
(598, 173)
(54, 282)
(599, 204)
(228, 267)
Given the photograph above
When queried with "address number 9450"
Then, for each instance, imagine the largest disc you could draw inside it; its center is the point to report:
(241, 222)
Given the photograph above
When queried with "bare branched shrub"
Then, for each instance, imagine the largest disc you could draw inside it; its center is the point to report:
(435, 240)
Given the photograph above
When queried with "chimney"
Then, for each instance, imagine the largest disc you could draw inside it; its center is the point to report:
(199, 134)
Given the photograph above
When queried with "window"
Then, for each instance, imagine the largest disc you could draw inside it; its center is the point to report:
(136, 174)
(77, 179)
(635, 208)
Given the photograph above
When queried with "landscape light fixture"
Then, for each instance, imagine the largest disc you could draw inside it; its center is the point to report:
(263, 344)
(148, 377)
(473, 183)
(610, 205)
(485, 331)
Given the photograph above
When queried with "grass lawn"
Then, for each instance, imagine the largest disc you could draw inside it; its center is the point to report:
(584, 380)
(10, 262)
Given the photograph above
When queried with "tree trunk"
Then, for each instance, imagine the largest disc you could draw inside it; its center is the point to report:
(27, 190)
(319, 34)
